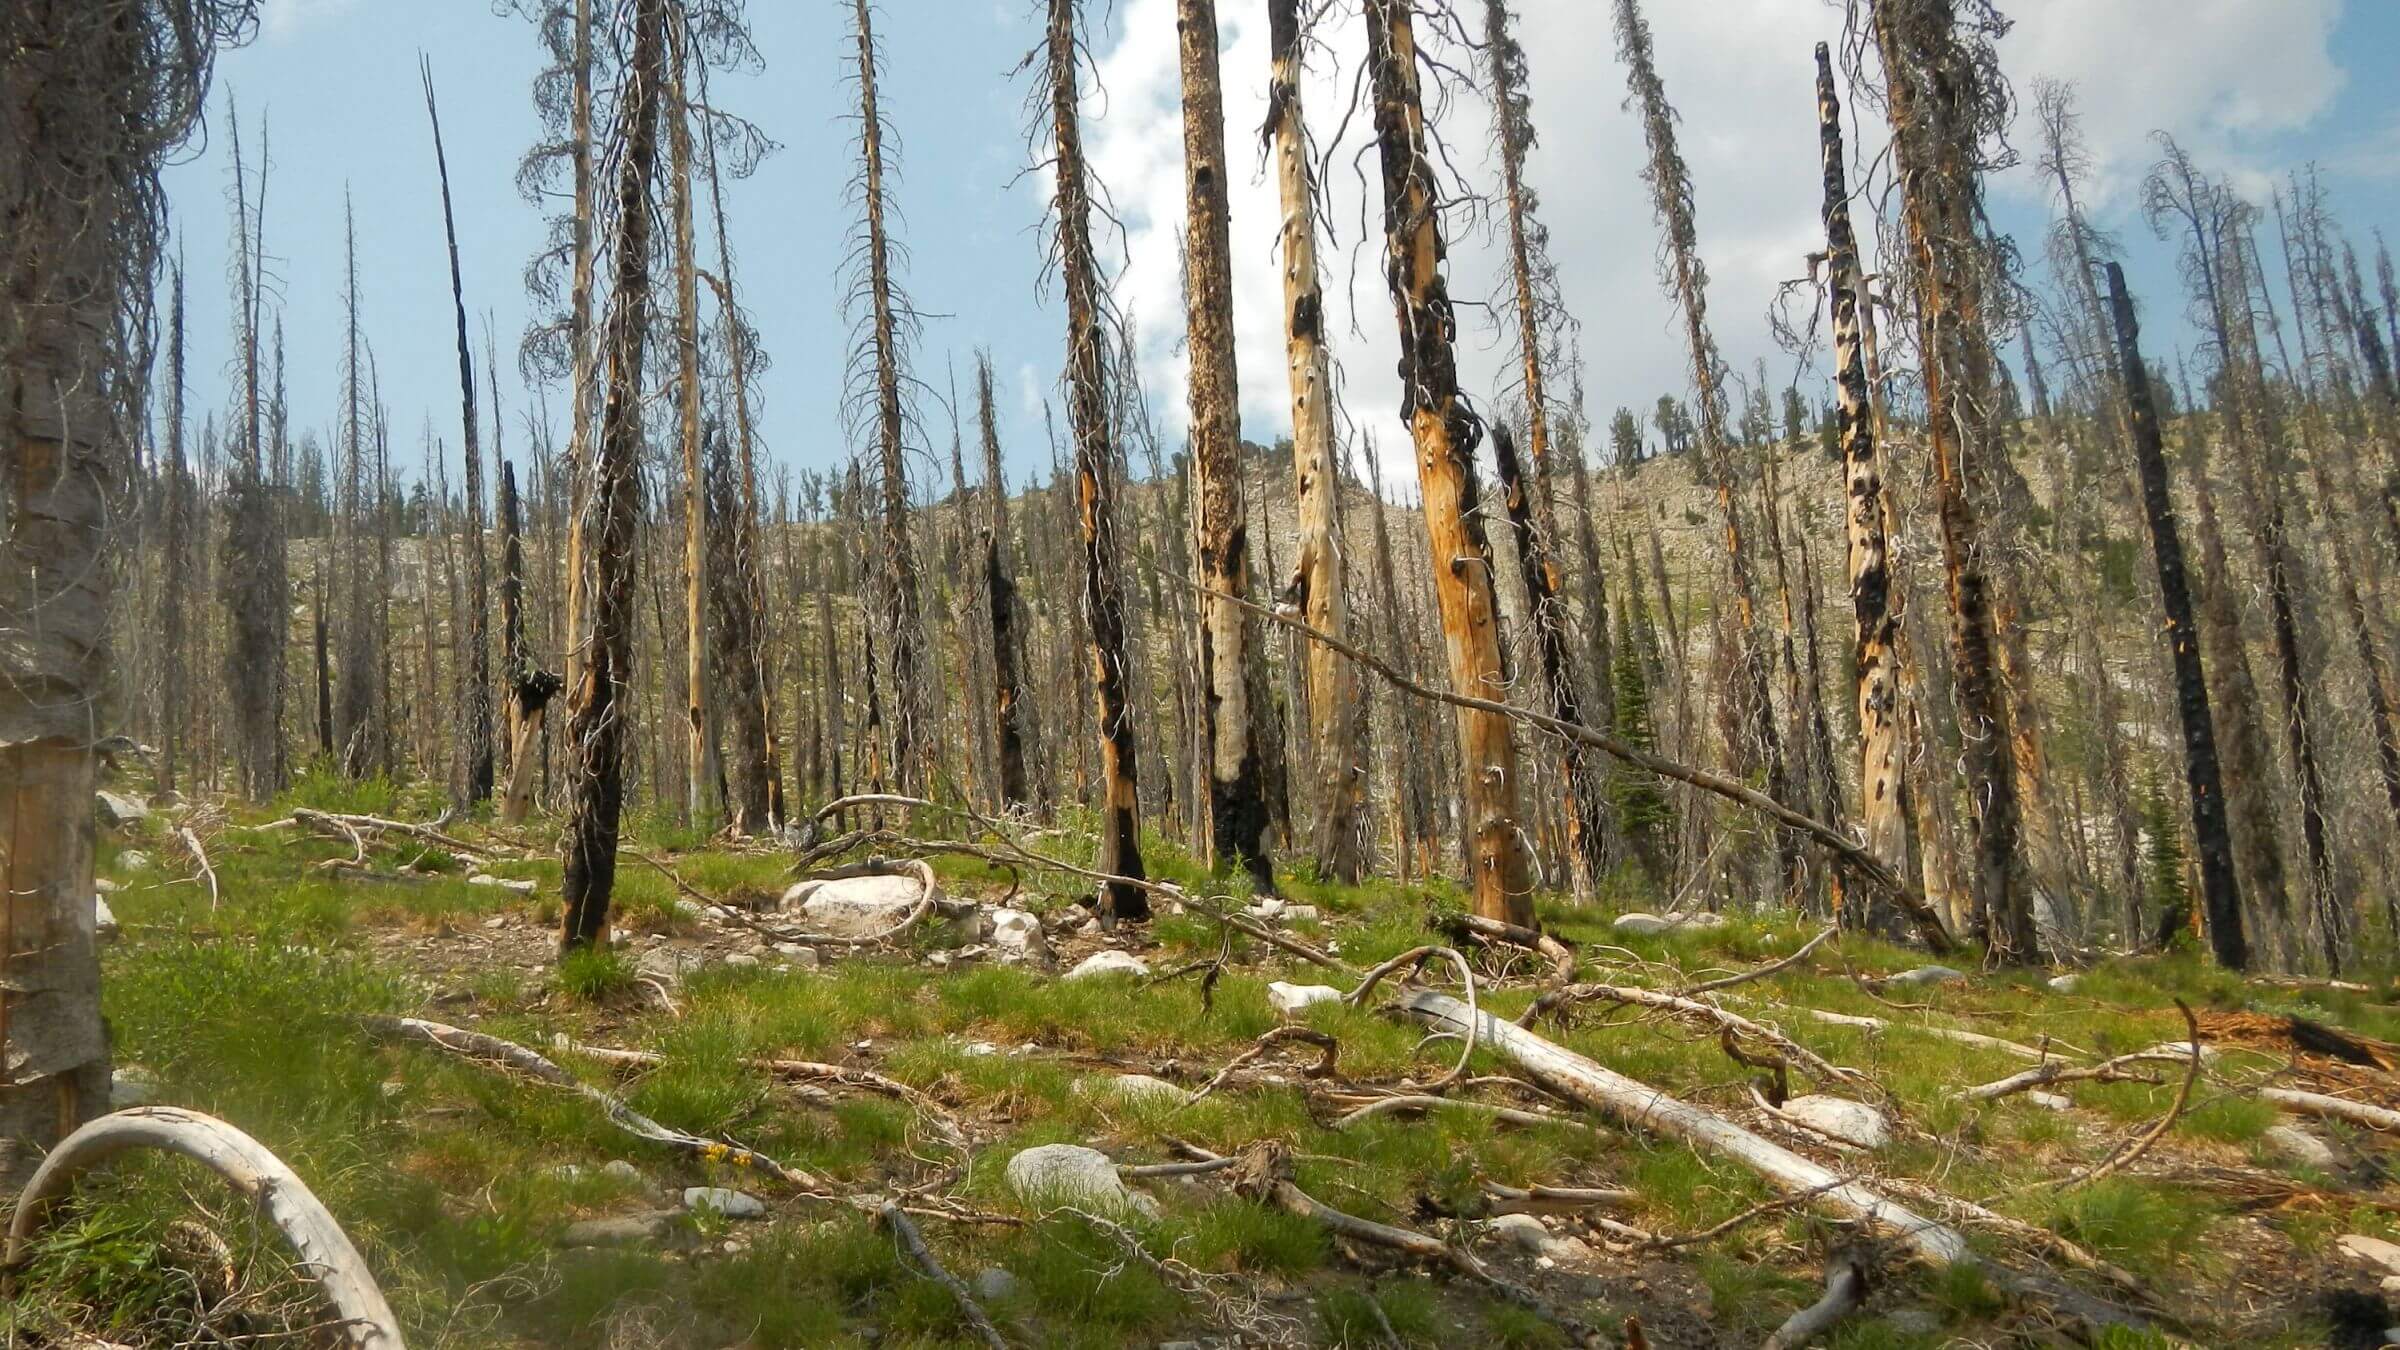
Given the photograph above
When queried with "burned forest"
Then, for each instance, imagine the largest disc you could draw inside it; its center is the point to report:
(1198, 673)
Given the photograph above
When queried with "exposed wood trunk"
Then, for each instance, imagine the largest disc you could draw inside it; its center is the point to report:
(699, 746)
(2220, 889)
(1445, 432)
(530, 687)
(596, 726)
(477, 676)
(1097, 463)
(175, 592)
(585, 351)
(1000, 599)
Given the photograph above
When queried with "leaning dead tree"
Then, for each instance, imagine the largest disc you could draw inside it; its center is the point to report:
(97, 95)
(1446, 432)
(1943, 94)
(1001, 605)
(2219, 889)
(885, 319)
(1338, 777)
(1530, 514)
(596, 724)
(475, 785)
(530, 687)
(1096, 468)
(1867, 508)
(1237, 804)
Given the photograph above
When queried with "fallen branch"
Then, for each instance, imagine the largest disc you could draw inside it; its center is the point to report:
(1475, 927)
(1417, 956)
(1383, 1106)
(2332, 1108)
(2123, 1158)
(325, 1252)
(1845, 1289)
(2059, 1071)
(913, 1242)
(1692, 1009)
(1761, 972)
(1323, 1068)
(1975, 1038)
(200, 856)
(797, 1070)
(1499, 1199)
(354, 827)
(1856, 856)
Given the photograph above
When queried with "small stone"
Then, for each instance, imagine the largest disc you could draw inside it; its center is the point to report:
(496, 921)
(623, 1173)
(1704, 919)
(1924, 975)
(132, 1086)
(104, 919)
(1522, 1230)
(1914, 1321)
(994, 1285)
(1300, 914)
(117, 811)
(393, 1089)
(1641, 925)
(2183, 1050)
(2300, 1148)
(133, 860)
(1568, 1250)
(516, 884)
(2063, 984)
(1265, 907)
(1289, 999)
(855, 907)
(1075, 1175)
(2049, 1101)
(1106, 963)
(667, 965)
(800, 955)
(104, 885)
(623, 1230)
(742, 961)
(2391, 1335)
(2373, 1251)
(1840, 1118)
(1132, 1088)
(567, 1171)
(730, 1203)
(1017, 936)
(979, 1049)
(2391, 1285)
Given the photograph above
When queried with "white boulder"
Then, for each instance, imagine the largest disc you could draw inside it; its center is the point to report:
(1522, 1230)
(104, 919)
(1132, 1089)
(1017, 937)
(1924, 975)
(1112, 962)
(732, 1204)
(2300, 1148)
(2373, 1251)
(1290, 999)
(1071, 1174)
(1840, 1118)
(118, 811)
(855, 907)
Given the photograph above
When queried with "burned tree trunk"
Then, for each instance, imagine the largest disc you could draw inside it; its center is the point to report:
(597, 723)
(1445, 433)
(1338, 778)
(530, 687)
(1096, 468)
(1935, 120)
(252, 576)
(1237, 805)
(2220, 890)
(175, 593)
(1527, 488)
(477, 678)
(1000, 598)
(1868, 511)
(699, 744)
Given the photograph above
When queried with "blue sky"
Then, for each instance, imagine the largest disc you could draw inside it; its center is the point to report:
(2254, 87)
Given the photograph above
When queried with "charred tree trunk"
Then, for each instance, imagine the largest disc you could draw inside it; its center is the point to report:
(1000, 599)
(1445, 432)
(530, 687)
(1237, 805)
(176, 590)
(252, 574)
(1096, 467)
(699, 745)
(477, 676)
(596, 726)
(1868, 510)
(1338, 778)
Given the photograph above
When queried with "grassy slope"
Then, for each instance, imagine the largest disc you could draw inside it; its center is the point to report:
(450, 1178)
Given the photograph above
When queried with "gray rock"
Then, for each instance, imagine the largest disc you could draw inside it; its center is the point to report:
(1641, 925)
(2300, 1148)
(1521, 1230)
(1840, 1118)
(132, 1086)
(515, 885)
(1265, 907)
(118, 811)
(104, 919)
(1568, 1251)
(799, 954)
(1018, 938)
(2049, 1101)
(1705, 919)
(1924, 975)
(855, 907)
(1137, 1088)
(2373, 1251)
(732, 1204)
(2064, 984)
(104, 886)
(668, 965)
(994, 1285)
(1074, 1175)
(1299, 913)
(133, 860)
(1914, 1321)
(1290, 999)
(623, 1173)
(742, 961)
(621, 1230)
(1111, 962)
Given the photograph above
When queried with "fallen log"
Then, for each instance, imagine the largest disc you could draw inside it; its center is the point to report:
(1975, 1038)
(1801, 1057)
(1641, 1106)
(259, 1176)
(2332, 1108)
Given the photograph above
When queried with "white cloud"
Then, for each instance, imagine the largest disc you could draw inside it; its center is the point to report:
(2226, 75)
(280, 19)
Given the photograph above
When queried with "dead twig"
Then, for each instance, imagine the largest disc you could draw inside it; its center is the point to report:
(1761, 972)
(2124, 1157)
(1845, 1290)
(1323, 1068)
(1418, 956)
(912, 1242)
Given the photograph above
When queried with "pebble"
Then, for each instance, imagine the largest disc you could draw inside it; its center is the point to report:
(104, 919)
(1109, 963)
(1522, 1230)
(732, 1204)
(623, 1173)
(742, 961)
(2064, 984)
(1132, 1087)
(994, 1285)
(1292, 998)
(800, 954)
(2049, 1101)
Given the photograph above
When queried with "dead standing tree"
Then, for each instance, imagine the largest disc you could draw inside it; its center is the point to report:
(1220, 520)
(1317, 590)
(1446, 431)
(1000, 598)
(596, 727)
(1531, 517)
(2220, 890)
(1868, 510)
(1944, 96)
(1752, 707)
(1096, 469)
(475, 785)
(878, 374)
(97, 94)
(252, 577)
